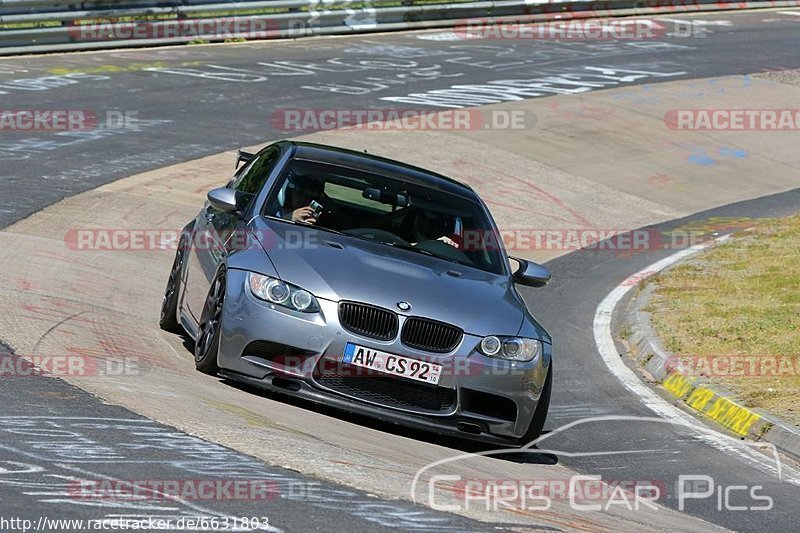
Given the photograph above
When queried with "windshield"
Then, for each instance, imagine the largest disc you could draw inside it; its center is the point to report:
(386, 210)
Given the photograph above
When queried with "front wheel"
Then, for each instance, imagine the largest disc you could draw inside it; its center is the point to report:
(540, 415)
(206, 347)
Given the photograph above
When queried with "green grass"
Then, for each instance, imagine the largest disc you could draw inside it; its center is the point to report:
(740, 298)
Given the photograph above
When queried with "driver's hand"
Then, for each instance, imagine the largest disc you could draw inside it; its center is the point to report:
(304, 214)
(447, 240)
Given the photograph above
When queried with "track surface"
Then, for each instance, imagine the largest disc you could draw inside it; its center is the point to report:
(54, 434)
(40, 169)
(234, 90)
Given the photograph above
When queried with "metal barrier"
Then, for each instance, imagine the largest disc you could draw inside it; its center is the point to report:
(33, 26)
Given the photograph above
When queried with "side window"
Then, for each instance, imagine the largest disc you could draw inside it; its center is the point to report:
(253, 177)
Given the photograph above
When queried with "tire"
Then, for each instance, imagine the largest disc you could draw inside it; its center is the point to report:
(206, 347)
(169, 305)
(540, 415)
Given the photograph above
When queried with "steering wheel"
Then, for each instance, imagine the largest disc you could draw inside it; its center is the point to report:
(377, 235)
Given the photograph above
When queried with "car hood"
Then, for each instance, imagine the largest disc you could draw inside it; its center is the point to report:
(339, 267)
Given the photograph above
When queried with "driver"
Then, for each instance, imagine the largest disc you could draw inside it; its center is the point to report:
(296, 195)
(433, 226)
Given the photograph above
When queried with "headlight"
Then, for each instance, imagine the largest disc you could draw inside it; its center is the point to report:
(276, 291)
(510, 348)
(301, 300)
(490, 345)
(281, 293)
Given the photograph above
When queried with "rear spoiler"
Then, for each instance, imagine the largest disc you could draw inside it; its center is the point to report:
(243, 157)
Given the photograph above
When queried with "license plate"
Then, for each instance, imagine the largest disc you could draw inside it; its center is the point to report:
(387, 363)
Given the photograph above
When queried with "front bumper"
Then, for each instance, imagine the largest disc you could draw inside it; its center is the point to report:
(477, 397)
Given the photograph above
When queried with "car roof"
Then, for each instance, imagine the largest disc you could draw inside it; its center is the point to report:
(379, 165)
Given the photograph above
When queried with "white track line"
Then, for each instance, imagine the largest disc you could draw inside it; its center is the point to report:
(794, 13)
(608, 351)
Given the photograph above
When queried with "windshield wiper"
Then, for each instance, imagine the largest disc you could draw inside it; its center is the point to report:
(306, 225)
(423, 251)
(410, 248)
(323, 228)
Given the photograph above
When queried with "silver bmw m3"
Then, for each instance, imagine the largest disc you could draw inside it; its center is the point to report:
(364, 284)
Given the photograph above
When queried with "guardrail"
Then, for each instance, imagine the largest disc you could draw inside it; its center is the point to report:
(34, 26)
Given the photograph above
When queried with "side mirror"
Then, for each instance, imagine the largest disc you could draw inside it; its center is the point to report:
(223, 199)
(530, 273)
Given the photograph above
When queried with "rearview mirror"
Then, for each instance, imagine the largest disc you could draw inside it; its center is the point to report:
(386, 197)
(530, 273)
(223, 199)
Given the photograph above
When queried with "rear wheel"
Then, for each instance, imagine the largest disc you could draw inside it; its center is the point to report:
(540, 415)
(168, 320)
(206, 347)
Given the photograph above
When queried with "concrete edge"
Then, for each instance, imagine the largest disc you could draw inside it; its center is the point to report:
(712, 402)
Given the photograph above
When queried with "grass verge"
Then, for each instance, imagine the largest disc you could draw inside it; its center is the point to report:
(733, 315)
